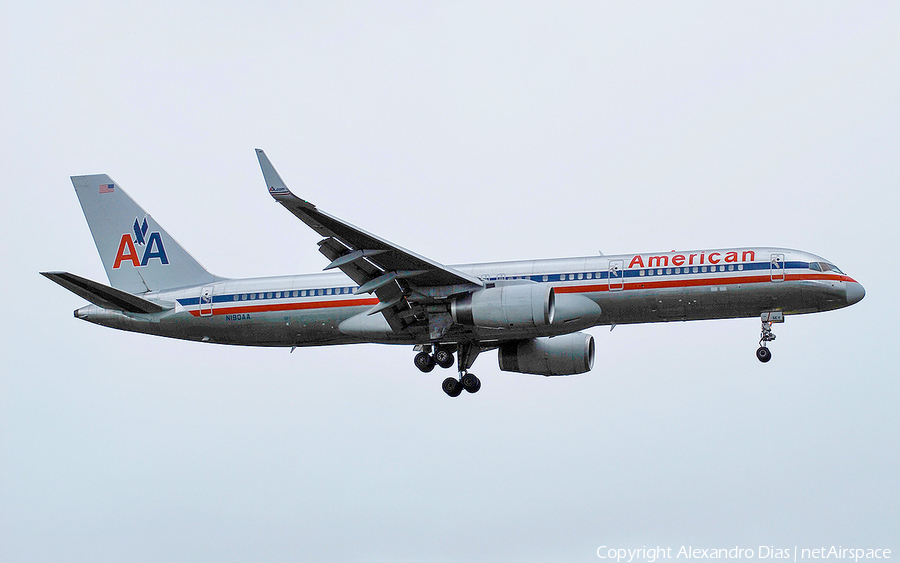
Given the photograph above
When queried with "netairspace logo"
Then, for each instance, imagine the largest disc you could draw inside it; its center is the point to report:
(652, 554)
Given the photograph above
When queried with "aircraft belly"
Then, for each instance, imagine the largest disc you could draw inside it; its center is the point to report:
(276, 328)
(702, 302)
(823, 295)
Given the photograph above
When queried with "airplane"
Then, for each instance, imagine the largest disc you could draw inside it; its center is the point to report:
(373, 290)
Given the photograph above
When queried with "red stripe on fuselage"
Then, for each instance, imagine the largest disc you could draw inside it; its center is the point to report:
(290, 306)
(696, 282)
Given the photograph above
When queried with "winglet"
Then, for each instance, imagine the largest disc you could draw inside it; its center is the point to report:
(274, 182)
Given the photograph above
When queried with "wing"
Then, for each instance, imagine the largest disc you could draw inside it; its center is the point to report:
(403, 281)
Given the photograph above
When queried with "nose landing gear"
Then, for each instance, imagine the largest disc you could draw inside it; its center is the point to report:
(763, 353)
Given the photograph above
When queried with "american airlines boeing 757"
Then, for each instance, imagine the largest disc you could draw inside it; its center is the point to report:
(530, 311)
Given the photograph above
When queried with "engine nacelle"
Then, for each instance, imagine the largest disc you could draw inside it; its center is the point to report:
(568, 354)
(508, 306)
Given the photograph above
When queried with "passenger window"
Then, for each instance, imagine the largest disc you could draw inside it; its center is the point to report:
(278, 295)
(668, 271)
(590, 275)
(269, 295)
(677, 270)
(252, 296)
(641, 272)
(731, 267)
(703, 269)
(695, 269)
(545, 278)
(649, 272)
(659, 272)
(580, 276)
(740, 266)
(328, 291)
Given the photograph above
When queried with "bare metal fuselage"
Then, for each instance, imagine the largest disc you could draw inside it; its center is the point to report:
(308, 310)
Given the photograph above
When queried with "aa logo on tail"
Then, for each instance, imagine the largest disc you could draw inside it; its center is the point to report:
(153, 247)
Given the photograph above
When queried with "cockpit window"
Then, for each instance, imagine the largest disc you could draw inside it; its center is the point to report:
(825, 267)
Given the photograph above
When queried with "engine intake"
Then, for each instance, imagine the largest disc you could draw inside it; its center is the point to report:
(561, 355)
(508, 306)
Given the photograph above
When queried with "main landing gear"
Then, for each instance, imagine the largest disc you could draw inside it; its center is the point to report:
(426, 361)
(763, 353)
(443, 357)
(467, 381)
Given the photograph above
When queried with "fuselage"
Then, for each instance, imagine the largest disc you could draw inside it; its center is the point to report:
(307, 310)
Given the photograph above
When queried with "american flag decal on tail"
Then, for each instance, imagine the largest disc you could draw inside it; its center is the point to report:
(107, 188)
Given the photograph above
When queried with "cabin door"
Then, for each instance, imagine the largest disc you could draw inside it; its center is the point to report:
(616, 275)
(206, 301)
(777, 267)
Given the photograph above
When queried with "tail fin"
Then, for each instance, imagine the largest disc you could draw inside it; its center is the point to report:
(137, 253)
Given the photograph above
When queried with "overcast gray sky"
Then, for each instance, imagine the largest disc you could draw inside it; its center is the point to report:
(466, 132)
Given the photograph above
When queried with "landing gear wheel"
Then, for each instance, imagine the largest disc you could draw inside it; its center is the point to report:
(443, 358)
(762, 353)
(452, 387)
(424, 361)
(470, 383)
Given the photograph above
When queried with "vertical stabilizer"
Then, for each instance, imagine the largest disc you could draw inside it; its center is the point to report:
(137, 253)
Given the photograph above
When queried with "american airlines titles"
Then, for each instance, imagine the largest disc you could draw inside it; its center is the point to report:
(693, 259)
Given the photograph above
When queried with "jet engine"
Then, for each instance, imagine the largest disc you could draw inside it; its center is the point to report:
(568, 354)
(508, 306)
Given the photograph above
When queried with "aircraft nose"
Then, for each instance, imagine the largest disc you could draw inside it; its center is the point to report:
(855, 293)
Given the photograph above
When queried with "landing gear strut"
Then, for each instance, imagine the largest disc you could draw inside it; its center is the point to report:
(466, 354)
(763, 353)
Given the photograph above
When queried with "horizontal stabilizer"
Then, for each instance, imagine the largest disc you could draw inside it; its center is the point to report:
(103, 295)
